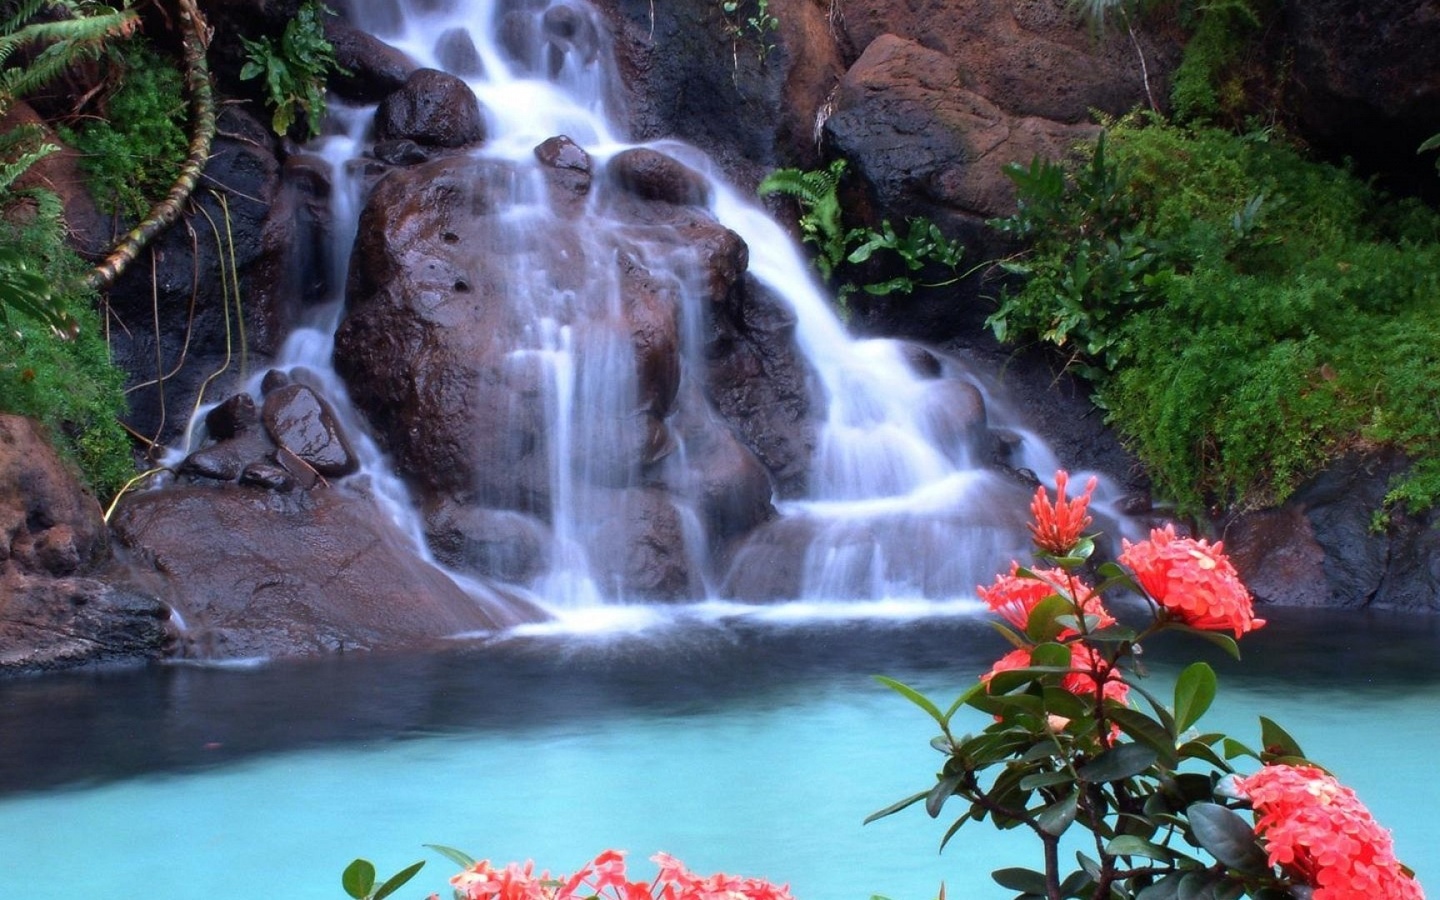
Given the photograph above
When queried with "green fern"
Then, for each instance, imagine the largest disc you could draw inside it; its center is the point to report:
(817, 193)
(83, 35)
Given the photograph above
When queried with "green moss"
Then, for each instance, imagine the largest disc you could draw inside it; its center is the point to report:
(133, 149)
(70, 385)
(1284, 311)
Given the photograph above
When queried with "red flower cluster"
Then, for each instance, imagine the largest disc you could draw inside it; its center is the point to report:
(1014, 596)
(1058, 525)
(1193, 580)
(606, 872)
(1089, 669)
(1317, 830)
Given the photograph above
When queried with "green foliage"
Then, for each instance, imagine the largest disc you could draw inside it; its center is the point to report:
(1431, 143)
(1210, 80)
(132, 152)
(295, 70)
(358, 880)
(1244, 314)
(752, 17)
(902, 256)
(70, 385)
(70, 31)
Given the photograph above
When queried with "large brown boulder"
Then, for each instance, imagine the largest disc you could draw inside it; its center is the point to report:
(260, 573)
(61, 603)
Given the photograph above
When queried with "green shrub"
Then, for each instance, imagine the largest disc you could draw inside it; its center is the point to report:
(133, 151)
(295, 70)
(69, 384)
(1244, 314)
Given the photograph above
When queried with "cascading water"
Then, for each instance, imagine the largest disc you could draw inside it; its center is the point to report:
(596, 429)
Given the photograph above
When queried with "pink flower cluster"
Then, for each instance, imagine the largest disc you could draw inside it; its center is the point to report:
(1317, 830)
(606, 873)
(1193, 580)
(1058, 525)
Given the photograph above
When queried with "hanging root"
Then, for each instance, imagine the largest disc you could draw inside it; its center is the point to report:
(195, 40)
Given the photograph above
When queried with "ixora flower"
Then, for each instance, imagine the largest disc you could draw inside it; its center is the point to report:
(1015, 595)
(604, 878)
(1089, 669)
(1058, 525)
(1316, 829)
(1193, 579)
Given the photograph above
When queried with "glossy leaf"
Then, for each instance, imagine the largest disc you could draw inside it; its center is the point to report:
(1026, 881)
(895, 807)
(1227, 837)
(396, 881)
(1208, 886)
(458, 857)
(1194, 692)
(1130, 845)
(943, 790)
(914, 697)
(1167, 888)
(1057, 817)
(1147, 731)
(1044, 779)
(1234, 749)
(1118, 763)
(1277, 741)
(1223, 641)
(358, 878)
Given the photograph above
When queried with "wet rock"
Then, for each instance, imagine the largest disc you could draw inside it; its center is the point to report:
(654, 176)
(269, 477)
(761, 383)
(639, 546)
(370, 68)
(455, 51)
(403, 152)
(569, 171)
(1321, 548)
(300, 421)
(954, 417)
(232, 416)
(434, 109)
(503, 545)
(256, 573)
(62, 602)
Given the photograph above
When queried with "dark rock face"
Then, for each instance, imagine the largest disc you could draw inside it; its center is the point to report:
(1368, 85)
(1319, 548)
(372, 68)
(175, 317)
(448, 361)
(432, 108)
(61, 602)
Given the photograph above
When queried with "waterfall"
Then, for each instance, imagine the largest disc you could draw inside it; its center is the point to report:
(901, 500)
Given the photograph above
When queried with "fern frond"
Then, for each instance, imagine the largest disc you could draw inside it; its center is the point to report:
(27, 146)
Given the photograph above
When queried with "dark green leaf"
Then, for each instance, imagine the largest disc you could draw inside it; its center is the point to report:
(1223, 641)
(358, 878)
(1130, 845)
(458, 857)
(1118, 763)
(1044, 779)
(1234, 748)
(943, 790)
(396, 881)
(1208, 886)
(1056, 817)
(1194, 692)
(1026, 881)
(896, 807)
(914, 697)
(954, 829)
(1167, 888)
(1227, 837)
(1277, 741)
(1147, 731)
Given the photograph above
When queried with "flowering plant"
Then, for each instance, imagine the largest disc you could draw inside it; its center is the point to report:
(1071, 747)
(603, 878)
